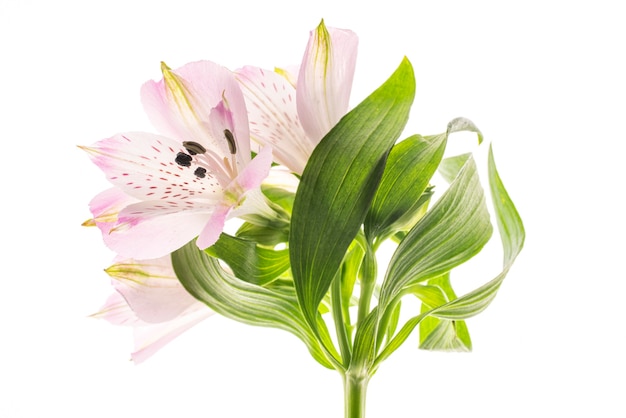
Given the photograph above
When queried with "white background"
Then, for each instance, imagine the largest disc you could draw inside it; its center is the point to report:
(544, 80)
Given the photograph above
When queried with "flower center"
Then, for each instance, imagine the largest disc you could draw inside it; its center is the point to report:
(208, 161)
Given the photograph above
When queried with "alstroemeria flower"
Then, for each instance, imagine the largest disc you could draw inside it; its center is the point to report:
(292, 114)
(186, 182)
(149, 298)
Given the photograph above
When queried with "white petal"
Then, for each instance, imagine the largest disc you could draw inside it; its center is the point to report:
(273, 116)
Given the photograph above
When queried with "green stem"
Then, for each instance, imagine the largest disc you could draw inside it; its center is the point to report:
(369, 271)
(355, 390)
(340, 321)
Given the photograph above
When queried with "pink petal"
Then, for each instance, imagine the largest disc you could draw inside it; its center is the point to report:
(151, 289)
(150, 299)
(250, 178)
(143, 166)
(325, 79)
(205, 85)
(149, 230)
(149, 339)
(105, 207)
(271, 102)
(116, 311)
(256, 171)
(214, 227)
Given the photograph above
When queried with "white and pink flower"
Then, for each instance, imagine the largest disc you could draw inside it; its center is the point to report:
(185, 183)
(292, 113)
(149, 298)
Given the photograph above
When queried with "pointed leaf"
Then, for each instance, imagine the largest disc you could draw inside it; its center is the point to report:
(250, 262)
(338, 184)
(208, 282)
(512, 235)
(443, 334)
(452, 232)
(410, 166)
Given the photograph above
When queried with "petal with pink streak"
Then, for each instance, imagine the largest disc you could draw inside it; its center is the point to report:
(325, 79)
(205, 84)
(143, 166)
(271, 102)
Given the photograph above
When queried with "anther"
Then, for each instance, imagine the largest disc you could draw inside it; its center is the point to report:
(183, 159)
(232, 146)
(193, 148)
(200, 172)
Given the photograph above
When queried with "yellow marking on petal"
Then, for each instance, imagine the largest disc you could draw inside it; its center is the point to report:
(121, 227)
(133, 273)
(323, 46)
(107, 217)
(174, 85)
(287, 75)
(90, 150)
(89, 222)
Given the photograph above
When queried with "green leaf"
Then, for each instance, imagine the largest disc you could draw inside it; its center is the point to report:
(452, 232)
(512, 235)
(338, 184)
(249, 262)
(279, 196)
(410, 166)
(443, 334)
(263, 235)
(206, 280)
(451, 166)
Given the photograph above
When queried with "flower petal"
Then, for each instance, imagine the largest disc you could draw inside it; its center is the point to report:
(151, 288)
(147, 230)
(271, 103)
(214, 227)
(117, 312)
(179, 105)
(325, 79)
(106, 206)
(256, 171)
(143, 166)
(150, 339)
(150, 299)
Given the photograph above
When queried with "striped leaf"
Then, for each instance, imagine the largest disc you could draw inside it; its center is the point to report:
(512, 236)
(338, 184)
(207, 281)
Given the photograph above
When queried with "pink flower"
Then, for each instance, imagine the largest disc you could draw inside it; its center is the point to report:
(293, 114)
(150, 299)
(186, 183)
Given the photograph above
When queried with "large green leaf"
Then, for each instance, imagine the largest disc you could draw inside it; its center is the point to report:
(410, 166)
(338, 184)
(250, 262)
(453, 231)
(512, 235)
(207, 281)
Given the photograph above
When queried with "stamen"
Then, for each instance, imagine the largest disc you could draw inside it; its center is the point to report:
(193, 148)
(232, 146)
(200, 172)
(184, 160)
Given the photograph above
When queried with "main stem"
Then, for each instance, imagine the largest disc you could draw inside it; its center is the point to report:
(354, 390)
